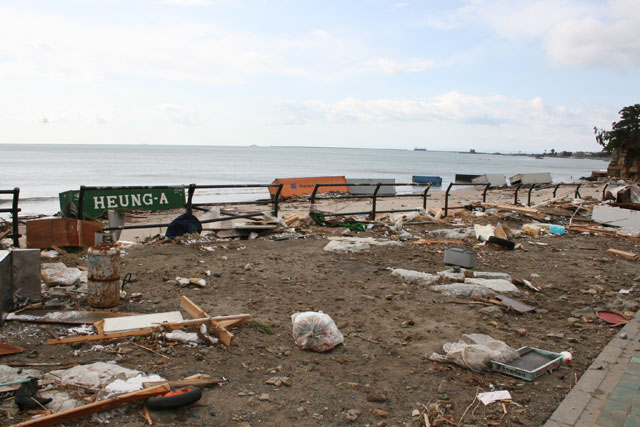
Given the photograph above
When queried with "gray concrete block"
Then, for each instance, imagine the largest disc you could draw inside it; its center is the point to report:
(26, 275)
(591, 380)
(571, 407)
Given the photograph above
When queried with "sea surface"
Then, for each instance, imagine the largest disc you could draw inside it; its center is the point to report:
(43, 171)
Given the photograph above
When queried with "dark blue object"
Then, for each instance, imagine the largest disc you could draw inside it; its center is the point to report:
(184, 224)
(435, 181)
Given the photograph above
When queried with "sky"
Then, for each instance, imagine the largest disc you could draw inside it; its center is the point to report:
(489, 75)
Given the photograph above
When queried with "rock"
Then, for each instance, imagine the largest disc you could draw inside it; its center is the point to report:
(450, 276)
(377, 396)
(248, 267)
(264, 397)
(498, 285)
(464, 290)
(573, 320)
(353, 415)
(380, 413)
(492, 311)
(624, 336)
(415, 413)
(182, 281)
(491, 275)
(414, 277)
(172, 282)
(584, 312)
(58, 274)
(198, 282)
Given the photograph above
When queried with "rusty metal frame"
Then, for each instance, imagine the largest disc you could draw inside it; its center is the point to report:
(14, 213)
(446, 195)
(191, 189)
(374, 197)
(576, 194)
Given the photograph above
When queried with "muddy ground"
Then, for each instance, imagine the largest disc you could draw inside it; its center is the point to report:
(381, 374)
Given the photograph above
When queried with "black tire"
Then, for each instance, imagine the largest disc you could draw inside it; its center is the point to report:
(502, 242)
(171, 402)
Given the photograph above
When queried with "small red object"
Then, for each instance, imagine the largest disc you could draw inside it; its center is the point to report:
(612, 317)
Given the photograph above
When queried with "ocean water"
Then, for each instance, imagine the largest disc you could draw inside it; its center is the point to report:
(43, 171)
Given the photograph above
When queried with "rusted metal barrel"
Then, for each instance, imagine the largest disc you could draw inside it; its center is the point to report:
(104, 277)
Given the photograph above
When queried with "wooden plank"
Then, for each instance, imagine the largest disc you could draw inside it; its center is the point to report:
(224, 321)
(520, 209)
(186, 382)
(100, 336)
(624, 254)
(9, 349)
(92, 408)
(128, 323)
(193, 310)
(72, 317)
(216, 328)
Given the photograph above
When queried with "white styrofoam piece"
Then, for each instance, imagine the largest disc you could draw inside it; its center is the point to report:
(128, 323)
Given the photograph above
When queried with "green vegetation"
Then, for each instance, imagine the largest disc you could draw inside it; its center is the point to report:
(624, 134)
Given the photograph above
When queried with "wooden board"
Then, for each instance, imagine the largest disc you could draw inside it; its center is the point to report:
(515, 208)
(142, 321)
(9, 349)
(72, 317)
(624, 254)
(216, 328)
(48, 232)
(92, 408)
(99, 337)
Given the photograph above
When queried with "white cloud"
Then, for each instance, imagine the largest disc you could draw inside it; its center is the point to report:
(61, 49)
(452, 107)
(572, 33)
(180, 115)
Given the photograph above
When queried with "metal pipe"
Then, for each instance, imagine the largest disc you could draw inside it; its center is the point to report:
(529, 196)
(191, 191)
(369, 212)
(577, 193)
(276, 200)
(313, 194)
(14, 216)
(515, 199)
(484, 193)
(206, 221)
(425, 195)
(446, 200)
(373, 202)
(555, 190)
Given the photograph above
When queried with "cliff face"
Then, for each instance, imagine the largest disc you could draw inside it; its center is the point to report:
(625, 163)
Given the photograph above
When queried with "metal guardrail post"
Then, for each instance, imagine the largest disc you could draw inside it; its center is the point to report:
(276, 200)
(515, 198)
(577, 193)
(191, 191)
(425, 195)
(81, 203)
(533, 186)
(446, 200)
(313, 194)
(374, 197)
(484, 193)
(555, 190)
(14, 216)
(604, 190)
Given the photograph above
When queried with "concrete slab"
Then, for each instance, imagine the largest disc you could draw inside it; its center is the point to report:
(25, 266)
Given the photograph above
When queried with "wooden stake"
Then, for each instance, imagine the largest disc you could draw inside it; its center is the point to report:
(146, 415)
(624, 254)
(92, 408)
(100, 336)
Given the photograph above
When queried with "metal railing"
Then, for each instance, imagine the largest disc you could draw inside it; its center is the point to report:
(446, 196)
(374, 197)
(541, 187)
(14, 213)
(191, 189)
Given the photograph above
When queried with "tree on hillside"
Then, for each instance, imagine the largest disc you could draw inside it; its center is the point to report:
(624, 134)
(623, 141)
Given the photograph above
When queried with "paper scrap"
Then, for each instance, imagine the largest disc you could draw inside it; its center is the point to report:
(494, 396)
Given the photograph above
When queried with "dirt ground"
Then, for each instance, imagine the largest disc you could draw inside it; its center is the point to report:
(381, 374)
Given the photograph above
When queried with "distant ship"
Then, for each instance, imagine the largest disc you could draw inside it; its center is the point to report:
(419, 149)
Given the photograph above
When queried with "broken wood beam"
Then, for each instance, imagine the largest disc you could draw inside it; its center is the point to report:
(186, 382)
(224, 321)
(92, 408)
(99, 337)
(196, 312)
(624, 254)
(519, 209)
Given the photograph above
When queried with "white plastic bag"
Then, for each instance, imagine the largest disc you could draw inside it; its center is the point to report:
(476, 356)
(315, 331)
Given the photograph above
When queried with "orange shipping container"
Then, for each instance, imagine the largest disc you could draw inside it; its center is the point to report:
(294, 187)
